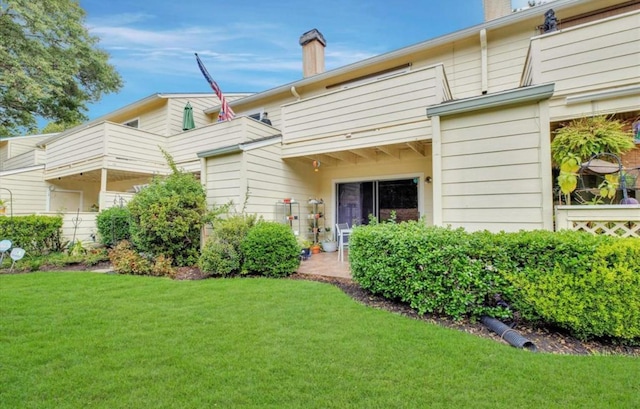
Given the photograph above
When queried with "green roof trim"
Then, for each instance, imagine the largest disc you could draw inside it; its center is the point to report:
(510, 97)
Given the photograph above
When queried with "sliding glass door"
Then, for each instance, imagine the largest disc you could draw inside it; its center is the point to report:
(380, 198)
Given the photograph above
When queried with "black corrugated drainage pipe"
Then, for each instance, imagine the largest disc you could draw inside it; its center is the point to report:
(508, 334)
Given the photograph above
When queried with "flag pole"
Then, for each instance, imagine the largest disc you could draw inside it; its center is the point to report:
(226, 113)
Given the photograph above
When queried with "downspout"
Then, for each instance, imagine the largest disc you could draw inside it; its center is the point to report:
(294, 92)
(484, 64)
(508, 334)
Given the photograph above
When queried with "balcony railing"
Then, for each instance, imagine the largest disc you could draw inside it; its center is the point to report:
(394, 101)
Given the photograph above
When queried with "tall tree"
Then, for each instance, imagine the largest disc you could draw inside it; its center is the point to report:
(50, 66)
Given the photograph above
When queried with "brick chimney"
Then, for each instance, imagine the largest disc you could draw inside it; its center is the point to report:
(313, 44)
(496, 8)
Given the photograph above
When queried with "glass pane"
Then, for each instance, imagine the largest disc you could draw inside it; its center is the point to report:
(355, 202)
(400, 196)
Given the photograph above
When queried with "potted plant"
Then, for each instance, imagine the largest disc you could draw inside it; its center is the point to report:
(329, 244)
(3, 207)
(305, 248)
(581, 139)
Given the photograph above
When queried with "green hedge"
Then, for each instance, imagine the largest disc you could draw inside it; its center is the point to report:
(589, 285)
(270, 249)
(38, 235)
(432, 269)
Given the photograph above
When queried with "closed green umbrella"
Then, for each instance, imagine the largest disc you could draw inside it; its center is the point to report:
(187, 118)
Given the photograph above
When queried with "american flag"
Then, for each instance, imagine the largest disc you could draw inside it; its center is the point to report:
(226, 113)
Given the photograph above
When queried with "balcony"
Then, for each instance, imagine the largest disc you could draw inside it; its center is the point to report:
(593, 62)
(105, 145)
(382, 112)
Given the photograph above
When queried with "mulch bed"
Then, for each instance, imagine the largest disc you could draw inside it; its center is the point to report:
(549, 340)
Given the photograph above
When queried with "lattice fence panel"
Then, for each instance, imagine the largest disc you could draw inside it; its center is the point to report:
(610, 228)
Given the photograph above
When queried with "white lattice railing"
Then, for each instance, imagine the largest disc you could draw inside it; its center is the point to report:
(612, 220)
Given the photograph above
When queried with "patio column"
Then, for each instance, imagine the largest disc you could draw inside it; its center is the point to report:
(103, 187)
(436, 146)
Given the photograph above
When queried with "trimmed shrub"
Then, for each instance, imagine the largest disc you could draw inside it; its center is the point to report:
(219, 258)
(270, 249)
(113, 225)
(167, 216)
(37, 235)
(222, 254)
(434, 270)
(586, 284)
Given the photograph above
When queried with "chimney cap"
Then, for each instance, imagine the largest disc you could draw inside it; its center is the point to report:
(311, 35)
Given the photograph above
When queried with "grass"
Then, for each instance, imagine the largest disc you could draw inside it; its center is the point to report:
(75, 340)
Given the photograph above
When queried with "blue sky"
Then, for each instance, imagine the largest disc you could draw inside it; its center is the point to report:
(250, 46)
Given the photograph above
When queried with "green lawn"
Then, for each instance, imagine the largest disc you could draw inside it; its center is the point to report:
(79, 340)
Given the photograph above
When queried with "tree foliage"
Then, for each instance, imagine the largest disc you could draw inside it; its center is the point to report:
(51, 66)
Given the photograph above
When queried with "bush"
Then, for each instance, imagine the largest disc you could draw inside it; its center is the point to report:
(270, 249)
(222, 254)
(37, 235)
(589, 285)
(219, 258)
(167, 217)
(113, 225)
(434, 270)
(126, 260)
(586, 284)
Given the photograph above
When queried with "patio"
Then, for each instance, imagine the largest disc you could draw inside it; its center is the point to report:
(326, 264)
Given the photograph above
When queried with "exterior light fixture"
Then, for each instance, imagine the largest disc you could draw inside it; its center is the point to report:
(316, 165)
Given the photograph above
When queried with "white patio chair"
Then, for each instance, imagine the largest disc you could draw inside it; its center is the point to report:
(343, 231)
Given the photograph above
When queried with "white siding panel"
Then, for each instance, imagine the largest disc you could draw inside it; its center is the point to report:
(87, 143)
(155, 121)
(270, 179)
(415, 131)
(394, 100)
(594, 56)
(223, 179)
(199, 104)
(488, 181)
(135, 145)
(24, 160)
(29, 191)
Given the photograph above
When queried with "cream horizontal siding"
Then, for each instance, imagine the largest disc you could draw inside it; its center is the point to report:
(28, 189)
(199, 104)
(414, 131)
(77, 226)
(463, 67)
(491, 170)
(155, 121)
(114, 199)
(85, 144)
(184, 147)
(506, 54)
(395, 100)
(4, 153)
(223, 180)
(24, 160)
(19, 145)
(270, 179)
(134, 149)
(560, 110)
(598, 55)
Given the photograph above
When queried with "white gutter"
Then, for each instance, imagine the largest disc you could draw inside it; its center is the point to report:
(514, 96)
